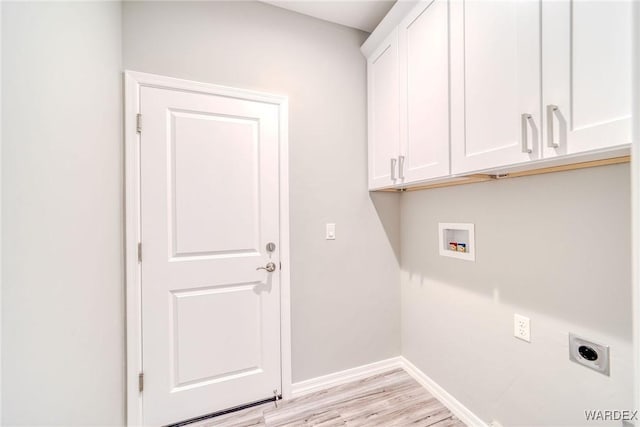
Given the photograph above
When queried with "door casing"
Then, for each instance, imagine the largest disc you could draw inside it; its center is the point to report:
(133, 81)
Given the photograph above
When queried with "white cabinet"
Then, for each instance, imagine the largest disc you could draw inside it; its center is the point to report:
(495, 84)
(383, 114)
(586, 66)
(408, 87)
(424, 92)
(503, 115)
(470, 88)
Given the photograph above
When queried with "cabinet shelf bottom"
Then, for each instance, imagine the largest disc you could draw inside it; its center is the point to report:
(483, 177)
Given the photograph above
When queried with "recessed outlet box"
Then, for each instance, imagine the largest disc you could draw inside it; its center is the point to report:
(457, 240)
(590, 354)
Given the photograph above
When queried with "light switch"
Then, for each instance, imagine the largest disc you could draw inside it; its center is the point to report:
(331, 231)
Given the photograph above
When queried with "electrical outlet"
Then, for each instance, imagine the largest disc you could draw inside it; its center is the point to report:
(522, 327)
(589, 354)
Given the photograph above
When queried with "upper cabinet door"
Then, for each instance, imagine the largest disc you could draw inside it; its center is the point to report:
(586, 75)
(495, 83)
(384, 117)
(424, 92)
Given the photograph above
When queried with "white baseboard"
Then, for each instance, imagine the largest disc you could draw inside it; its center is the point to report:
(458, 409)
(314, 384)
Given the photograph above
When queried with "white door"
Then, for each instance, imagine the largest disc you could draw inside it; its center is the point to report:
(424, 92)
(495, 83)
(384, 117)
(586, 75)
(209, 206)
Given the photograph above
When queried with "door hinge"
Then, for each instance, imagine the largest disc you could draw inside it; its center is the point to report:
(139, 123)
(140, 382)
(280, 265)
(139, 252)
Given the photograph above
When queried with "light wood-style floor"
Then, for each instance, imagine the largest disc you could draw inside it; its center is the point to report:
(389, 399)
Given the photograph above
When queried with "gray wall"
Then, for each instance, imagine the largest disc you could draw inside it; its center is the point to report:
(635, 199)
(554, 248)
(62, 302)
(345, 295)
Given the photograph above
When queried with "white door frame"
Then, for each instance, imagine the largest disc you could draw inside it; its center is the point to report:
(133, 82)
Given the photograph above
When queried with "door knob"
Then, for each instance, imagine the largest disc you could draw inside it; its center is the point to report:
(270, 267)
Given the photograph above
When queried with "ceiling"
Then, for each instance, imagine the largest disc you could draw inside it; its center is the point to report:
(364, 15)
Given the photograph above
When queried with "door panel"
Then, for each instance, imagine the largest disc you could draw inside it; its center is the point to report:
(586, 75)
(196, 361)
(384, 117)
(209, 206)
(208, 150)
(495, 69)
(424, 89)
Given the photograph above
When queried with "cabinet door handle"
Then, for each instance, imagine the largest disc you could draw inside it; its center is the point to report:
(393, 169)
(525, 144)
(401, 167)
(551, 110)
